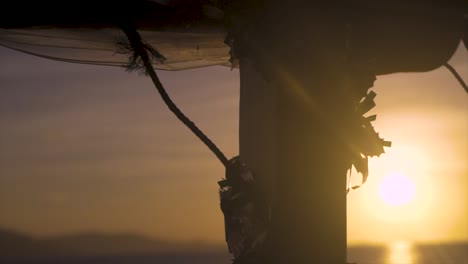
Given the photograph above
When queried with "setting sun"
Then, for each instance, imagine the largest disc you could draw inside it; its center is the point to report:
(397, 189)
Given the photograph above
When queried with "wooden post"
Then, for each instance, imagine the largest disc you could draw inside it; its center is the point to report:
(293, 112)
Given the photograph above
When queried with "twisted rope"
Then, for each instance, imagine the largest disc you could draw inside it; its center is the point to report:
(141, 50)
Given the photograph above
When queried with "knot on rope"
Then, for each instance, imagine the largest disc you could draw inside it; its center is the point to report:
(246, 214)
(137, 51)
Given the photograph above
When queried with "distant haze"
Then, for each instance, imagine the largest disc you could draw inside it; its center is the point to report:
(94, 244)
(97, 248)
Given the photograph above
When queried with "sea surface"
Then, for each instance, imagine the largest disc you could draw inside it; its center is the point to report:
(395, 253)
(408, 253)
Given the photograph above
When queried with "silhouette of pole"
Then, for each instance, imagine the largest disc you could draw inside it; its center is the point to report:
(294, 111)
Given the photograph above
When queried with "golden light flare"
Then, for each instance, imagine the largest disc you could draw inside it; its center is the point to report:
(396, 189)
(402, 189)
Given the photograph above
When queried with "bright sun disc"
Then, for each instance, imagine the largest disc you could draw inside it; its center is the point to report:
(397, 189)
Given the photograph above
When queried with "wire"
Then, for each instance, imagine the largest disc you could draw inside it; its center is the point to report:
(457, 76)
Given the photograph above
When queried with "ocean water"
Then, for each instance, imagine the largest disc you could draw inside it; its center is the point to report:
(395, 253)
(408, 253)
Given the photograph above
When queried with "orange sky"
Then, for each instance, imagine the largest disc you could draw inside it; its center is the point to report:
(94, 148)
(425, 115)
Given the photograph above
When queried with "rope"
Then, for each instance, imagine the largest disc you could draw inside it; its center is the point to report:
(457, 76)
(140, 50)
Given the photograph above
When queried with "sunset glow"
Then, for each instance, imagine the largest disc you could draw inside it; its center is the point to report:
(396, 189)
(96, 149)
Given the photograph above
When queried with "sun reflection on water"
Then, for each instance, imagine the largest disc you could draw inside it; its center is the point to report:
(401, 252)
